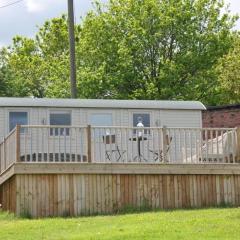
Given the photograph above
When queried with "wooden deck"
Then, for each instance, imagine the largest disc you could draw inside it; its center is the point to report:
(61, 182)
(72, 189)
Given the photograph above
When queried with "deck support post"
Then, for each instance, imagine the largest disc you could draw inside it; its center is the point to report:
(89, 146)
(238, 144)
(18, 128)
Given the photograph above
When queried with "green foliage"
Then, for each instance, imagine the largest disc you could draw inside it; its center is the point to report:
(26, 214)
(39, 66)
(153, 49)
(4, 75)
(127, 49)
(3, 82)
(228, 70)
(145, 207)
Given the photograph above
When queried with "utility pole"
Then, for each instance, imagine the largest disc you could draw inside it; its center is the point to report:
(72, 49)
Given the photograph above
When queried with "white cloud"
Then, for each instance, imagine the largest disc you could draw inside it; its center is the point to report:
(234, 5)
(35, 6)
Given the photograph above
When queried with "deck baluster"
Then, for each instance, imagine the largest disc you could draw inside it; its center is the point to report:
(78, 144)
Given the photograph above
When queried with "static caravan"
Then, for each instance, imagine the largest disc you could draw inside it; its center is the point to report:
(58, 129)
(80, 112)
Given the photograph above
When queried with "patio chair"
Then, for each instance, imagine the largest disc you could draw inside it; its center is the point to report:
(218, 149)
(158, 153)
(110, 140)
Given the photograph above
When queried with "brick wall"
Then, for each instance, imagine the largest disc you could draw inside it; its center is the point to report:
(222, 117)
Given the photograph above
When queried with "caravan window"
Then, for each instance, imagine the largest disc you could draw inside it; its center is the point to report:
(60, 119)
(144, 118)
(17, 118)
(101, 119)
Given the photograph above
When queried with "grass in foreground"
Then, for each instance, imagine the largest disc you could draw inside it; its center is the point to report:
(177, 224)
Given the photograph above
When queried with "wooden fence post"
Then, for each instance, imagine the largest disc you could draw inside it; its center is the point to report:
(18, 129)
(164, 139)
(89, 146)
(238, 144)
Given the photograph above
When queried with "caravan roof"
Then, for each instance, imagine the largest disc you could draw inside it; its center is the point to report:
(99, 103)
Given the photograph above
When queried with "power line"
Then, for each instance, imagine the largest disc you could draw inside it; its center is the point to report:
(10, 4)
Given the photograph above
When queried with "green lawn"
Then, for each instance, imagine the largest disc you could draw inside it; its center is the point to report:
(178, 224)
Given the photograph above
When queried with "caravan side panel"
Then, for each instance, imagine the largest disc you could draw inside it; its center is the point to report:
(181, 118)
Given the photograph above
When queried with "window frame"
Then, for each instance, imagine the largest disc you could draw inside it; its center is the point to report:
(142, 112)
(17, 110)
(99, 133)
(51, 130)
(102, 111)
(99, 113)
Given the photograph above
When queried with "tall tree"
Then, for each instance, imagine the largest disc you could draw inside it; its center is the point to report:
(40, 65)
(228, 72)
(9, 81)
(153, 49)
(4, 75)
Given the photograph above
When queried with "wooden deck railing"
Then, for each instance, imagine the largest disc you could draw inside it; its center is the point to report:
(10, 149)
(53, 144)
(119, 145)
(165, 145)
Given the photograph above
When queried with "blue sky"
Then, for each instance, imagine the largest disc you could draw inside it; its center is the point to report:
(22, 18)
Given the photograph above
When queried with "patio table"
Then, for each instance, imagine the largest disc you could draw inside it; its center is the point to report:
(138, 140)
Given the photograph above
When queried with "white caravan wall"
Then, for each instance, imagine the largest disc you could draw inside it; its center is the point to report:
(121, 117)
(181, 118)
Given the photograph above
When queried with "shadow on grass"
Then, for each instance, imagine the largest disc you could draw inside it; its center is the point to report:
(127, 209)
